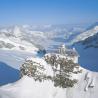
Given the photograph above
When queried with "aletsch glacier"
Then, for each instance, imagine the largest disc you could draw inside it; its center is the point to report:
(21, 45)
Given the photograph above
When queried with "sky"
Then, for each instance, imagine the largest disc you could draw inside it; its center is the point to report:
(48, 11)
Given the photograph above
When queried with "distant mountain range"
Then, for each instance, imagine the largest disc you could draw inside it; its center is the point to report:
(29, 38)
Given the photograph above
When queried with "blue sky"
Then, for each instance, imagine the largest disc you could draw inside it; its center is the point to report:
(48, 11)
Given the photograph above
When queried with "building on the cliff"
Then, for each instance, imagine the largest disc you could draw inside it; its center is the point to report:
(70, 54)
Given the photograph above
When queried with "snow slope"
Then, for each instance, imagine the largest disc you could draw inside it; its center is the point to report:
(28, 88)
(14, 58)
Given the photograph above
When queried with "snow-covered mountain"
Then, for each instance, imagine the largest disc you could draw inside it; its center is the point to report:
(12, 39)
(27, 87)
(82, 36)
(22, 41)
(91, 41)
(28, 39)
(89, 38)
